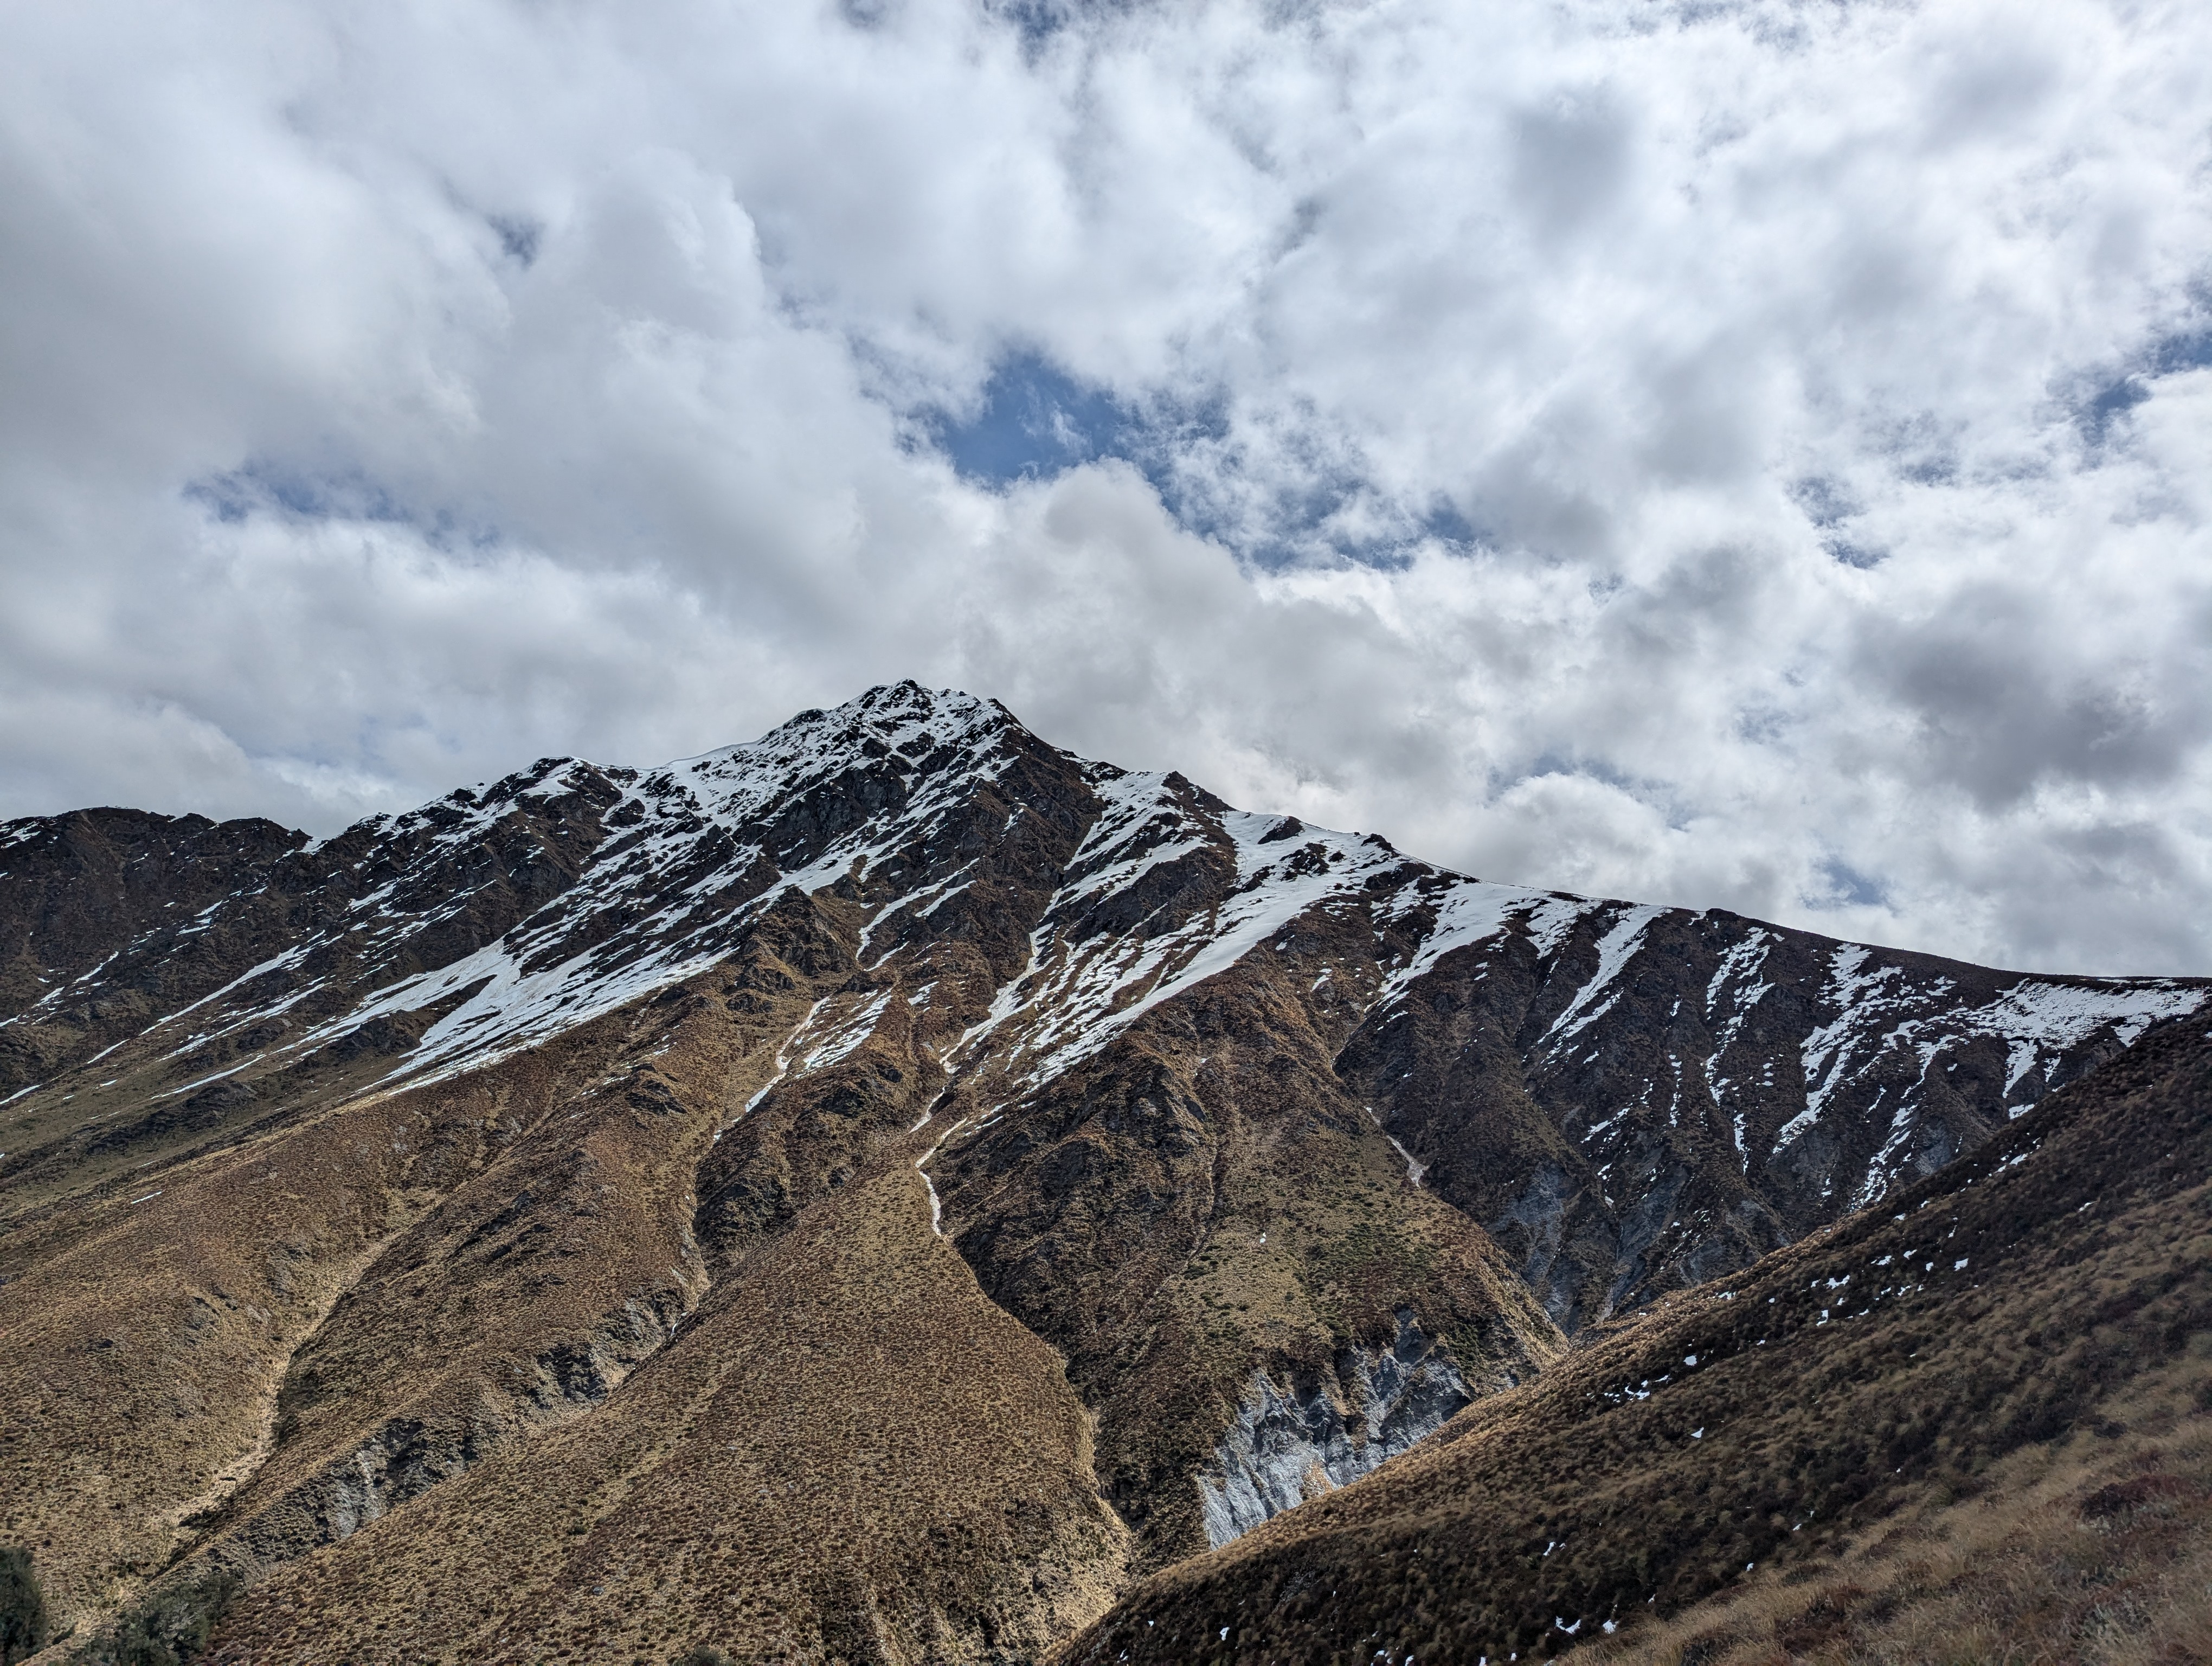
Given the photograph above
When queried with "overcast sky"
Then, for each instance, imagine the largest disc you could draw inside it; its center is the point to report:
(1743, 455)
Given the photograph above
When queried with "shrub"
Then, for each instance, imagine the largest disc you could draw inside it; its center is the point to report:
(22, 1608)
(171, 1625)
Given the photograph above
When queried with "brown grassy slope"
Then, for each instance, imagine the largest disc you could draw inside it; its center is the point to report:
(143, 1331)
(850, 1454)
(1991, 1307)
(502, 1287)
(810, 1127)
(523, 1297)
(257, 1346)
(2094, 1548)
(344, 1307)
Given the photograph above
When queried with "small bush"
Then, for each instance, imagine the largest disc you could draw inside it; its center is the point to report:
(22, 1608)
(171, 1626)
(705, 1655)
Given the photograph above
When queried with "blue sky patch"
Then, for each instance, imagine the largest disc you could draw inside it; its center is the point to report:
(266, 486)
(519, 238)
(1848, 888)
(1035, 420)
(2111, 398)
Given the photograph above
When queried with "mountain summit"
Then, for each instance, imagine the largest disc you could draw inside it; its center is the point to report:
(870, 1194)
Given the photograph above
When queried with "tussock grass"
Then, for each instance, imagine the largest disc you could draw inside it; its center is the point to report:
(2096, 1549)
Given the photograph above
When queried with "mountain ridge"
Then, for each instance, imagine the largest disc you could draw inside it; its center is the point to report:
(1284, 1145)
(662, 833)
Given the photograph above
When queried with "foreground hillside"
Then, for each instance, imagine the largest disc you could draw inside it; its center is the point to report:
(1809, 1419)
(2094, 1546)
(873, 1194)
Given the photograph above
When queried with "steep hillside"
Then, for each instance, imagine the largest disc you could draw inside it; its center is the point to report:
(347, 1184)
(1768, 1422)
(848, 1452)
(2094, 1546)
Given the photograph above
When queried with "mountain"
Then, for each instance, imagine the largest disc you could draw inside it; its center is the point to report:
(2053, 1290)
(873, 1194)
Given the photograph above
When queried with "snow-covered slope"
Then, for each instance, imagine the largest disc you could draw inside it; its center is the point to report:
(1690, 1088)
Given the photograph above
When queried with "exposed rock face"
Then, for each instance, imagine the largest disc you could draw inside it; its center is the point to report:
(1633, 1099)
(376, 1162)
(80, 888)
(1288, 1446)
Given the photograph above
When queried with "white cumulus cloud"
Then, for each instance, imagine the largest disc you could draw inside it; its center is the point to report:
(1747, 454)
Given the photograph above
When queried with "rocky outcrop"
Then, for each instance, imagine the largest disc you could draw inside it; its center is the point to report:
(1634, 1099)
(1288, 1444)
(407, 1454)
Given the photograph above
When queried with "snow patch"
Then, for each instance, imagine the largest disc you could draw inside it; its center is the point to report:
(1614, 950)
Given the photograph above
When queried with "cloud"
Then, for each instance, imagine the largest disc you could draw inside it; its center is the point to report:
(1745, 454)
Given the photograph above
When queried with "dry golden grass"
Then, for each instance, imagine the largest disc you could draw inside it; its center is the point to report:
(144, 1333)
(851, 1454)
(251, 1349)
(2095, 1550)
(523, 1298)
(196, 1367)
(847, 1452)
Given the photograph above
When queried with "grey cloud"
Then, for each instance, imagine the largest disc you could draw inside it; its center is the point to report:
(1999, 711)
(1572, 159)
(1991, 90)
(1709, 415)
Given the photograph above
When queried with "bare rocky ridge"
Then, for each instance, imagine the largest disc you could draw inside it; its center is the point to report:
(346, 1184)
